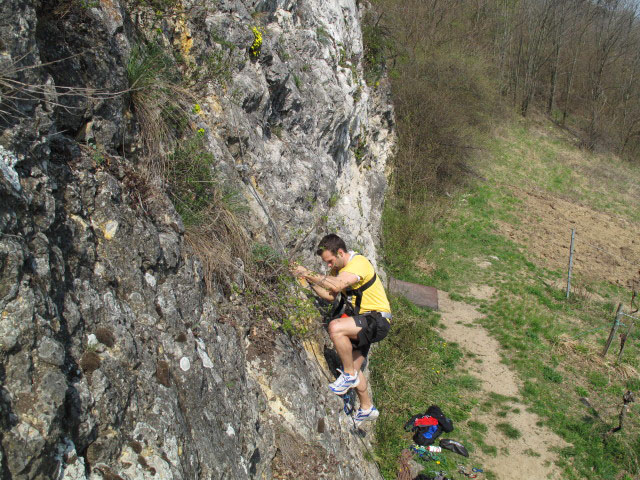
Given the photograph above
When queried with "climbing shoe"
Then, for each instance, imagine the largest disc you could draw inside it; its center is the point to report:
(344, 383)
(364, 415)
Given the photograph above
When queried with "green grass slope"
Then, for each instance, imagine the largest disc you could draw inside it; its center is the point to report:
(484, 236)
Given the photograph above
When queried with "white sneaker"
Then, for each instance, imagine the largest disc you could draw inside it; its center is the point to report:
(364, 415)
(344, 383)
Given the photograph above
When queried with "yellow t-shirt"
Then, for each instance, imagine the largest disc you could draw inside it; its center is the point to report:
(373, 298)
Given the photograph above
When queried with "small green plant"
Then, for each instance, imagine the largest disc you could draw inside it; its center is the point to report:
(277, 130)
(274, 293)
(323, 35)
(191, 181)
(281, 49)
(344, 58)
(97, 154)
(89, 3)
(509, 430)
(296, 80)
(220, 40)
(216, 67)
(360, 150)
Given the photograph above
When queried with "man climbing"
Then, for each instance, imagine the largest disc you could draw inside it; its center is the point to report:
(367, 319)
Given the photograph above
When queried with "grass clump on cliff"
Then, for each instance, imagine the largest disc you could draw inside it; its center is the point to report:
(212, 210)
(160, 102)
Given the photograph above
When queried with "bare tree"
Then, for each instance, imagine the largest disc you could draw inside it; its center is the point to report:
(613, 25)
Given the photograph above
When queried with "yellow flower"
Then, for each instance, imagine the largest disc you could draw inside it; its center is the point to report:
(196, 108)
(257, 41)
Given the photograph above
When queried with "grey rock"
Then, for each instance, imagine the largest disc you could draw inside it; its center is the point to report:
(16, 319)
(51, 351)
(101, 302)
(11, 261)
(8, 161)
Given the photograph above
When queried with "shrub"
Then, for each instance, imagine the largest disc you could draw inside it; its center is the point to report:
(378, 48)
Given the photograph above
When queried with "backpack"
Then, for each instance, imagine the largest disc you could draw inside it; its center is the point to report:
(428, 426)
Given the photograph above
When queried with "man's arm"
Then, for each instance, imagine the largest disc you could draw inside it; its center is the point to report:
(326, 286)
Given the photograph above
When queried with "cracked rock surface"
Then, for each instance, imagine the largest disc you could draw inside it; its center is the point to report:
(114, 361)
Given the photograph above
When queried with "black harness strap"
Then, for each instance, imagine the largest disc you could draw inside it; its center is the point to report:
(357, 292)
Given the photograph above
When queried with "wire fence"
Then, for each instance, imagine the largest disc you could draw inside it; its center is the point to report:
(620, 313)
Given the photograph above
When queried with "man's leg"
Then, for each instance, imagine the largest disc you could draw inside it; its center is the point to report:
(341, 332)
(361, 389)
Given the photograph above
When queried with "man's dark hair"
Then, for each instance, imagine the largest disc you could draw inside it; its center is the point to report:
(331, 242)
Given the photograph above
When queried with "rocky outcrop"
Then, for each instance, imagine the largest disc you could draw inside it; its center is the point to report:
(114, 360)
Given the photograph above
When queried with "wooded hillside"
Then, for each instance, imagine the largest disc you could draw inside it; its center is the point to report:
(453, 61)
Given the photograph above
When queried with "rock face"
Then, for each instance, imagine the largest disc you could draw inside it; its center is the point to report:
(114, 362)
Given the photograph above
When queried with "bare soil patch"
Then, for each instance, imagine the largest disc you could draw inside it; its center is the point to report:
(607, 248)
(516, 458)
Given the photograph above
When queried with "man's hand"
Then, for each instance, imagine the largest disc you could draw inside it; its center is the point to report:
(298, 270)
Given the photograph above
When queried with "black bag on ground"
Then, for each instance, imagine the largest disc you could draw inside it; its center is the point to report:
(426, 434)
(446, 423)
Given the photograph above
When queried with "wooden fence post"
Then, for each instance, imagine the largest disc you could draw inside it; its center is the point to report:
(623, 339)
(614, 329)
(573, 235)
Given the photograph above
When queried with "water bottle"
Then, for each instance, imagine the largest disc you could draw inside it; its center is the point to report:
(434, 449)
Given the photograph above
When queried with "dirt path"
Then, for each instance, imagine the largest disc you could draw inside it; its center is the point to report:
(525, 458)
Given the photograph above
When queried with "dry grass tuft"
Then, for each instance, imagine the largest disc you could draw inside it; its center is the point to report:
(218, 242)
(572, 346)
(161, 104)
(625, 371)
(589, 356)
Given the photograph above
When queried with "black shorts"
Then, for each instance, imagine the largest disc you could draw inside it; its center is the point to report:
(374, 328)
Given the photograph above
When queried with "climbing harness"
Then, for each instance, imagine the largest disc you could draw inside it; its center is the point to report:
(342, 304)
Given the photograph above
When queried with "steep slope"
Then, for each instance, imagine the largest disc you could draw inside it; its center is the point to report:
(115, 362)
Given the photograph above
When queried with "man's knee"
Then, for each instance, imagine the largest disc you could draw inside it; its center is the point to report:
(337, 327)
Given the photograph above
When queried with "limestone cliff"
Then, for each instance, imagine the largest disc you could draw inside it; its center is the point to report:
(115, 361)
